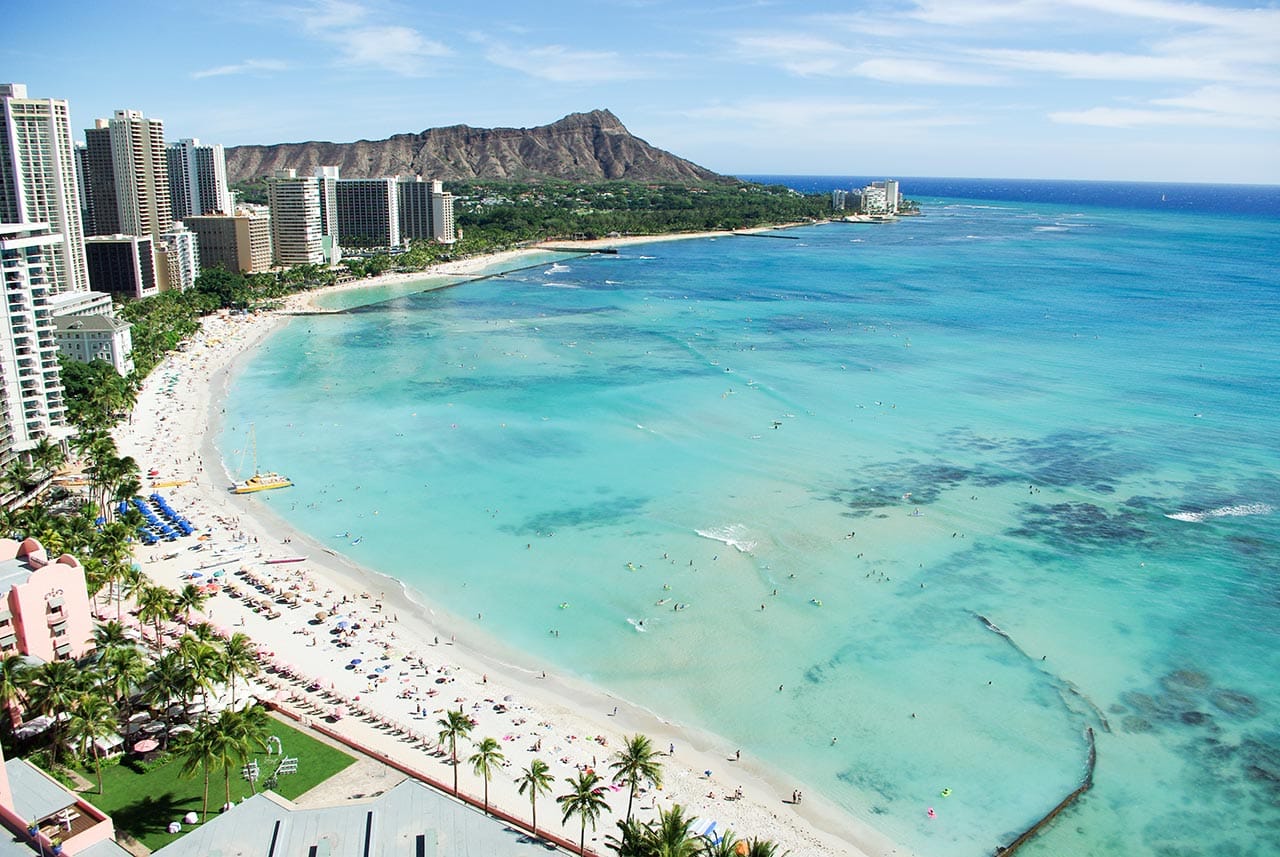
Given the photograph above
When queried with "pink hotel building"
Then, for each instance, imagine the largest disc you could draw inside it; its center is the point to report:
(45, 611)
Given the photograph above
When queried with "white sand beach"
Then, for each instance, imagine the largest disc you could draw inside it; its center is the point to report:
(416, 661)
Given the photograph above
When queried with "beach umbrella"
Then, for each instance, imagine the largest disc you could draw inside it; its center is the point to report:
(342, 626)
(356, 661)
(321, 615)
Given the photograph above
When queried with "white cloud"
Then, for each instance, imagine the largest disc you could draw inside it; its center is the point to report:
(396, 49)
(1113, 66)
(368, 38)
(245, 67)
(1210, 106)
(807, 55)
(827, 116)
(565, 65)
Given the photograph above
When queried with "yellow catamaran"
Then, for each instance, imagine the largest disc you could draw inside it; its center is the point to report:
(259, 481)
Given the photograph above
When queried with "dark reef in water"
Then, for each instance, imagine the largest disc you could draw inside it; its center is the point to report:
(1241, 770)
(1080, 525)
(602, 514)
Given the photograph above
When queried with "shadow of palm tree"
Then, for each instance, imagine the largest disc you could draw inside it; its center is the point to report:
(152, 814)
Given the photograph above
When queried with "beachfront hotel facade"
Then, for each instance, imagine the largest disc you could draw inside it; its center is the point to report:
(880, 198)
(239, 242)
(96, 337)
(426, 210)
(122, 265)
(296, 236)
(368, 213)
(197, 179)
(31, 396)
(38, 179)
(45, 611)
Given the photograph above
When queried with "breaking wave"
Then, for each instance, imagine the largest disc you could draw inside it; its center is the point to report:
(1223, 512)
(735, 536)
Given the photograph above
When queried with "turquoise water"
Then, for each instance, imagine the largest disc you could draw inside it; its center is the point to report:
(987, 412)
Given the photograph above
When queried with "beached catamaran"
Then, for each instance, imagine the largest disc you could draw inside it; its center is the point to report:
(259, 481)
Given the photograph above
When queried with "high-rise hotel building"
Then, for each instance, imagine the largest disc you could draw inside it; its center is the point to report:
(141, 174)
(426, 210)
(197, 179)
(296, 235)
(38, 179)
(31, 396)
(98, 181)
(369, 213)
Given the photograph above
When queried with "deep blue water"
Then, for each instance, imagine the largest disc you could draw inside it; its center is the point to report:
(1246, 200)
(1059, 417)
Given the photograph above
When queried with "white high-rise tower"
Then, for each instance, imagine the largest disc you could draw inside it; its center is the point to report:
(197, 179)
(38, 179)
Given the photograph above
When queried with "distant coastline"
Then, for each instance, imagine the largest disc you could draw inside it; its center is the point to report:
(1226, 199)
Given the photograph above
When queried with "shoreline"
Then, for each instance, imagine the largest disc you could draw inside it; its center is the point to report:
(476, 267)
(173, 429)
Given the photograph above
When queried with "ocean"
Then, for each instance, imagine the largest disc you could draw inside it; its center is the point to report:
(958, 491)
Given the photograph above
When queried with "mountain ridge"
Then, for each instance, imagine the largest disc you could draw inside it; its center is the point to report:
(591, 146)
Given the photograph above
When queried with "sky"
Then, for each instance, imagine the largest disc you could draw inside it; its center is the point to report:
(1139, 90)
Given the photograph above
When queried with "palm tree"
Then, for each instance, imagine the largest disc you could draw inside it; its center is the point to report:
(203, 662)
(240, 735)
(488, 755)
(633, 839)
(169, 679)
(635, 763)
(55, 688)
(188, 599)
(585, 801)
(155, 604)
(47, 455)
(110, 635)
(123, 668)
(252, 725)
(536, 779)
(454, 725)
(239, 660)
(15, 678)
(201, 749)
(764, 848)
(670, 835)
(728, 846)
(673, 834)
(94, 717)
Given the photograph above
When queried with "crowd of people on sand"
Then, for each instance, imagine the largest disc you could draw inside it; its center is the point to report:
(332, 651)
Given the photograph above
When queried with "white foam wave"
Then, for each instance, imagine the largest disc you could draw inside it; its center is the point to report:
(1239, 511)
(561, 286)
(1050, 229)
(735, 536)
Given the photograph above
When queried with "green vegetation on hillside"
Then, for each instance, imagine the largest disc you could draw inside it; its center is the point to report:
(510, 212)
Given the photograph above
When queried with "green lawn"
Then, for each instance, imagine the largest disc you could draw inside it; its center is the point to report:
(143, 803)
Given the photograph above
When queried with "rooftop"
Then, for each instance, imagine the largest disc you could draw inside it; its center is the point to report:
(409, 818)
